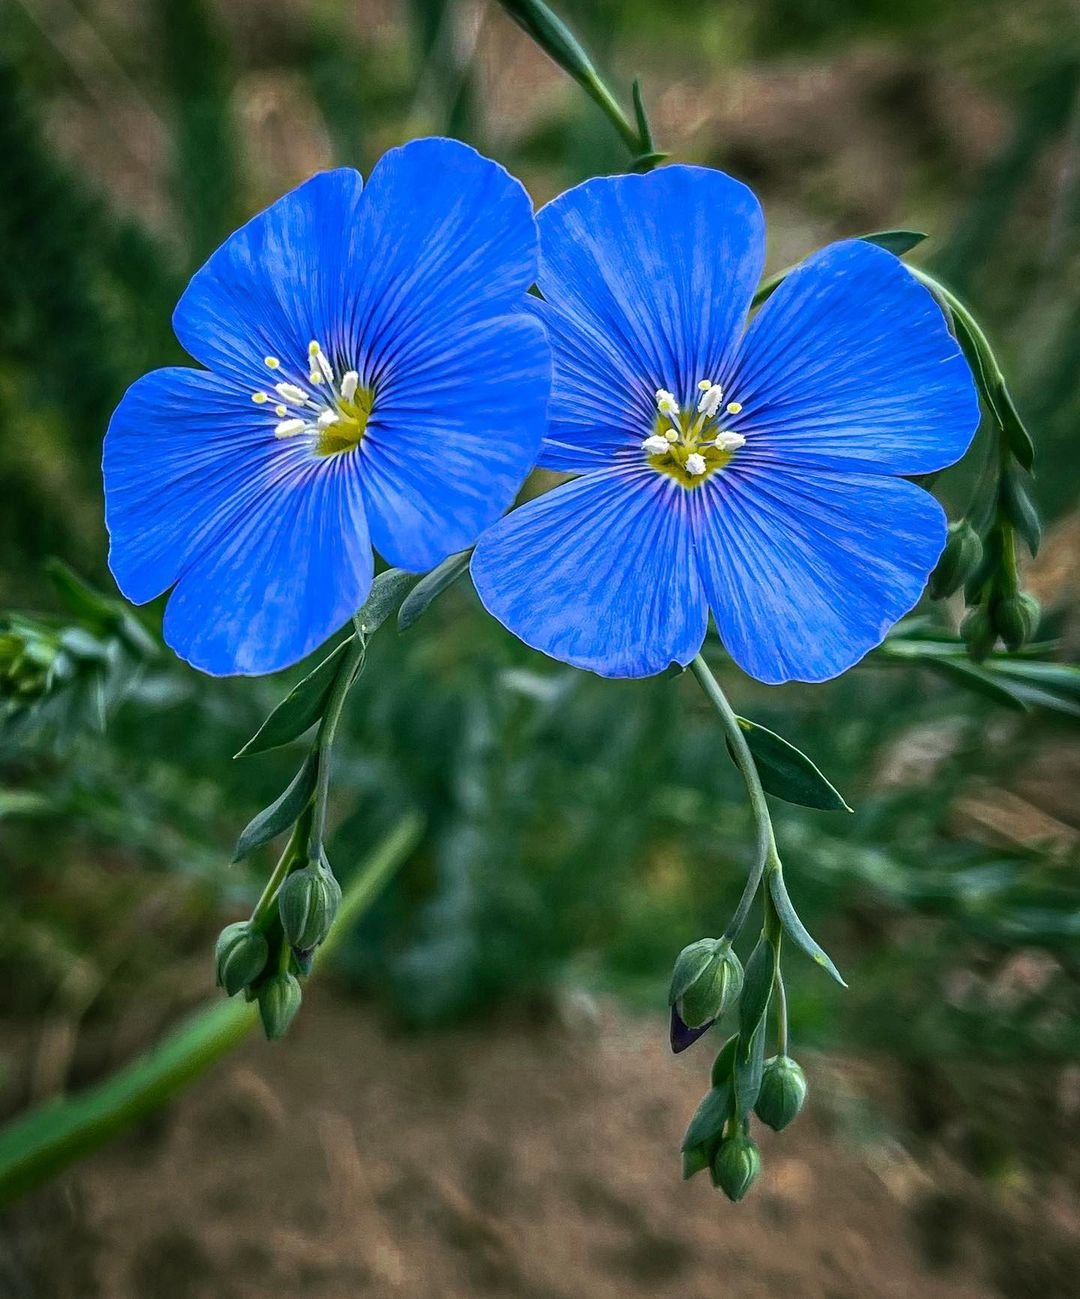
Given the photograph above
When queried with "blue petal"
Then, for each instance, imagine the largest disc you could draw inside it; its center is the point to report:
(280, 281)
(183, 451)
(456, 431)
(647, 281)
(598, 573)
(806, 572)
(290, 570)
(850, 365)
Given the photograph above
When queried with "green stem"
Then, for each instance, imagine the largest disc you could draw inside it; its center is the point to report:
(324, 740)
(781, 1012)
(38, 1145)
(295, 850)
(744, 760)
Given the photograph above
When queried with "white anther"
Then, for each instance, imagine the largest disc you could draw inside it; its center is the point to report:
(288, 427)
(704, 385)
(315, 377)
(672, 435)
(729, 441)
(271, 362)
(734, 407)
(327, 418)
(666, 403)
(320, 361)
(291, 393)
(281, 411)
(695, 464)
(350, 381)
(656, 445)
(259, 398)
(710, 400)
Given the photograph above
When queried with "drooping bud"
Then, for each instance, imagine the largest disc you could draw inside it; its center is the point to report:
(705, 982)
(279, 1000)
(960, 558)
(1016, 619)
(240, 956)
(307, 904)
(978, 632)
(782, 1094)
(736, 1166)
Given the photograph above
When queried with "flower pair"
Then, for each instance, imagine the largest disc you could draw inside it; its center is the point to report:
(379, 377)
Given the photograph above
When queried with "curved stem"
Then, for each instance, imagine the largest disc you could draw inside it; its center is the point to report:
(744, 760)
(294, 849)
(324, 740)
(781, 1012)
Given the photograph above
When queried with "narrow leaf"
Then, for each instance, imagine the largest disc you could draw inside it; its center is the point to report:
(709, 1118)
(787, 772)
(430, 588)
(897, 242)
(757, 988)
(979, 681)
(301, 708)
(795, 929)
(748, 1072)
(387, 592)
(280, 815)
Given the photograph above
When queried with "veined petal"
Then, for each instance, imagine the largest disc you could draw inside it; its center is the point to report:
(850, 365)
(599, 573)
(455, 433)
(182, 449)
(292, 568)
(647, 281)
(805, 572)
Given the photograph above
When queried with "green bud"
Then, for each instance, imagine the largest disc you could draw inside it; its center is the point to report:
(782, 1094)
(307, 904)
(978, 632)
(279, 1000)
(736, 1166)
(1020, 508)
(960, 558)
(705, 982)
(1016, 618)
(240, 956)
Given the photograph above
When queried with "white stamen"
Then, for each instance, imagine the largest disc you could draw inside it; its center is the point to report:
(672, 435)
(288, 427)
(350, 381)
(259, 398)
(291, 393)
(666, 403)
(320, 361)
(315, 377)
(704, 385)
(729, 441)
(271, 362)
(656, 446)
(327, 418)
(734, 407)
(281, 411)
(695, 464)
(710, 401)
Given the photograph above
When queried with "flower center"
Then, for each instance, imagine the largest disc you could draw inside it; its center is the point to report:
(689, 445)
(333, 414)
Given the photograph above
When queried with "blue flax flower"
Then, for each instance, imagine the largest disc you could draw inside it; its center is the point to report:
(754, 471)
(371, 381)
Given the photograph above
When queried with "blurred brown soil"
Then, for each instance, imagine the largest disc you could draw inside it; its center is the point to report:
(531, 1161)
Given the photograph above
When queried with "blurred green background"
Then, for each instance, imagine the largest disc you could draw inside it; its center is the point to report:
(580, 832)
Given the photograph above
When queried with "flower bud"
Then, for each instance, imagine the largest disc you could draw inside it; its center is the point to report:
(307, 904)
(960, 558)
(706, 981)
(240, 956)
(1016, 618)
(978, 632)
(736, 1166)
(279, 1000)
(782, 1094)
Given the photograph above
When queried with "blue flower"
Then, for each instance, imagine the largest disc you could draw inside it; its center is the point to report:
(371, 381)
(756, 473)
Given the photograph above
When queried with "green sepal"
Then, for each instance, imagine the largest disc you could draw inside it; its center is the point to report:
(308, 901)
(240, 956)
(736, 1166)
(1016, 619)
(748, 1072)
(301, 708)
(795, 929)
(756, 990)
(279, 1000)
(430, 587)
(787, 773)
(782, 1093)
(282, 813)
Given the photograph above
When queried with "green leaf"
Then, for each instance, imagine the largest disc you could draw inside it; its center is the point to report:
(23, 802)
(707, 1125)
(431, 587)
(280, 815)
(757, 988)
(301, 708)
(897, 242)
(794, 927)
(978, 680)
(387, 592)
(787, 772)
(1020, 508)
(749, 1071)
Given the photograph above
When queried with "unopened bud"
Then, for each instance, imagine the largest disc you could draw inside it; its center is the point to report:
(706, 981)
(782, 1094)
(307, 904)
(978, 632)
(960, 558)
(240, 956)
(1016, 619)
(736, 1166)
(279, 1000)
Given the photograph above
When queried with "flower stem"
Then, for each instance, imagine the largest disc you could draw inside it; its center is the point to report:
(324, 740)
(294, 850)
(766, 841)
